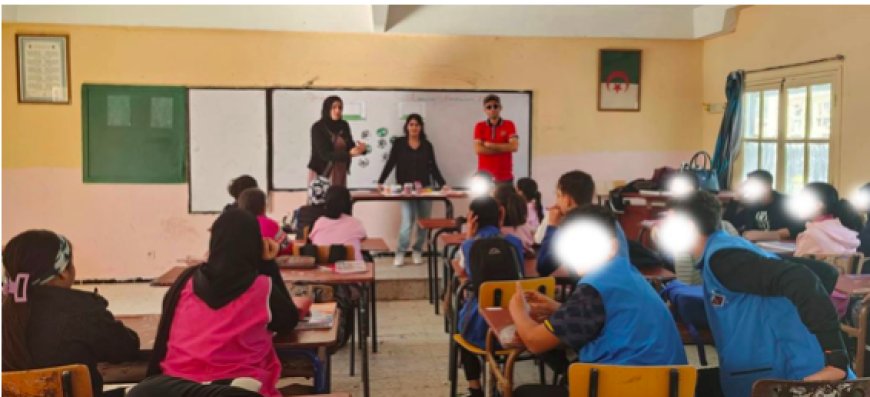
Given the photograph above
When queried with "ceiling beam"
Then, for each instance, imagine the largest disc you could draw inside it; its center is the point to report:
(379, 18)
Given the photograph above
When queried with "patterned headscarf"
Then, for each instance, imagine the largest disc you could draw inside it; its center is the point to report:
(317, 190)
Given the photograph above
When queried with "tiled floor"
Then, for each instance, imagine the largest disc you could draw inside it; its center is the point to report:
(413, 349)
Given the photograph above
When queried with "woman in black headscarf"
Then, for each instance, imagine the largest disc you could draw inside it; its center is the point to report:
(332, 145)
(225, 288)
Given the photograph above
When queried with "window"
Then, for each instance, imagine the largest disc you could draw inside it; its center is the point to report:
(788, 128)
(134, 134)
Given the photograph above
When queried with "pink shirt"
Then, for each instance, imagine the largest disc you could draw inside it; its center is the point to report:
(525, 234)
(827, 236)
(345, 230)
(270, 229)
(532, 220)
(231, 342)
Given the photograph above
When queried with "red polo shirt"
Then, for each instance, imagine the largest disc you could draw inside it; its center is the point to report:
(500, 165)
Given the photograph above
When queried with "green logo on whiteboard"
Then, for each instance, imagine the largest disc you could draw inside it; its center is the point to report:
(382, 132)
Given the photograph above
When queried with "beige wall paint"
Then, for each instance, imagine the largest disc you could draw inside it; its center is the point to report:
(140, 230)
(776, 35)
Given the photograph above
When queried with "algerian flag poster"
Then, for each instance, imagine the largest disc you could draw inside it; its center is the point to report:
(619, 80)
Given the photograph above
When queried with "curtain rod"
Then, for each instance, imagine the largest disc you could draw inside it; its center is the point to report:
(838, 57)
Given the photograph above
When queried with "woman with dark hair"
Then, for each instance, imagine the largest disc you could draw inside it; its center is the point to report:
(413, 156)
(253, 200)
(831, 227)
(528, 188)
(515, 216)
(237, 186)
(336, 226)
(47, 323)
(332, 145)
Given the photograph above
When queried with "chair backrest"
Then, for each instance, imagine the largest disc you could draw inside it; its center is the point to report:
(65, 381)
(323, 252)
(499, 293)
(844, 263)
(796, 388)
(598, 380)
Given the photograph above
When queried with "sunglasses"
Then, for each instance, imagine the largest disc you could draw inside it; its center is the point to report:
(491, 107)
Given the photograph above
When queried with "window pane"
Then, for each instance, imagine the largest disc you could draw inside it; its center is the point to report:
(768, 158)
(820, 113)
(750, 157)
(161, 112)
(794, 167)
(796, 113)
(818, 162)
(118, 113)
(750, 114)
(770, 121)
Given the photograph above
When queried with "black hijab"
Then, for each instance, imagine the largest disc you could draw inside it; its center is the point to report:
(326, 117)
(234, 259)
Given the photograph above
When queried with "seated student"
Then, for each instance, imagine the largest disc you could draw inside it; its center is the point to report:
(219, 317)
(253, 200)
(574, 189)
(337, 226)
(613, 317)
(484, 221)
(761, 214)
(515, 216)
(47, 323)
(528, 189)
(311, 212)
(771, 319)
(237, 186)
(826, 231)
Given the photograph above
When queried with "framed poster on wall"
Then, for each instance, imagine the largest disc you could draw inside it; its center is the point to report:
(43, 68)
(619, 80)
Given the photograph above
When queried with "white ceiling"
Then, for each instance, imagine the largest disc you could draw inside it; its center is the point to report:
(619, 21)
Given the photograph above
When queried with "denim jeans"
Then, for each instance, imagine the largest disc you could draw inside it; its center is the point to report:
(412, 210)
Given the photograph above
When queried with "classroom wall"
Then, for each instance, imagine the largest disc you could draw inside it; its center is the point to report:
(776, 35)
(122, 230)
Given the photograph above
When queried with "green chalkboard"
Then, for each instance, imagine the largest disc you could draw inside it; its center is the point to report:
(134, 134)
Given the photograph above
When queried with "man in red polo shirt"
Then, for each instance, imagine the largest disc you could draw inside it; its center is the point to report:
(495, 141)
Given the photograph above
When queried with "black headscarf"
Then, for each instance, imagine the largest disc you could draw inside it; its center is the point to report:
(326, 116)
(234, 260)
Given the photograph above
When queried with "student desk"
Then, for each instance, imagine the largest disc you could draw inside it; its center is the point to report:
(434, 228)
(434, 196)
(498, 320)
(373, 244)
(145, 325)
(785, 248)
(647, 205)
(324, 275)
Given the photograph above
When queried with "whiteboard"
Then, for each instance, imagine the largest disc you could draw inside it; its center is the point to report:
(375, 116)
(228, 138)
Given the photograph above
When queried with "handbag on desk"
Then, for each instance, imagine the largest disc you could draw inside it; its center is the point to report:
(708, 178)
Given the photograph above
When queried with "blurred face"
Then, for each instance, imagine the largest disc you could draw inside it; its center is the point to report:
(492, 110)
(414, 128)
(755, 191)
(335, 111)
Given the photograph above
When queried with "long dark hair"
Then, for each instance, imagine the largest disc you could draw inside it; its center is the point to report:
(530, 190)
(327, 107)
(834, 206)
(33, 252)
(515, 210)
(415, 116)
(337, 202)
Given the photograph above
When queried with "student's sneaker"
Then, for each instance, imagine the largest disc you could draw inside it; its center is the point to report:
(417, 257)
(399, 259)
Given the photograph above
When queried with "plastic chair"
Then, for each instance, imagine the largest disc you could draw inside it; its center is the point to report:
(598, 380)
(66, 381)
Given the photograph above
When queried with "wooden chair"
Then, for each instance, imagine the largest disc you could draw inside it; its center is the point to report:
(796, 388)
(598, 380)
(323, 252)
(495, 294)
(844, 263)
(66, 381)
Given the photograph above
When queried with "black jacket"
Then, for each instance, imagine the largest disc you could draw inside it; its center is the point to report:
(771, 216)
(412, 165)
(74, 327)
(322, 151)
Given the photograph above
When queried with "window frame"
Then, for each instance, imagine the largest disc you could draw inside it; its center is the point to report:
(782, 80)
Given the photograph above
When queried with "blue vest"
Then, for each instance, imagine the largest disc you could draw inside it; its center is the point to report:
(638, 328)
(757, 337)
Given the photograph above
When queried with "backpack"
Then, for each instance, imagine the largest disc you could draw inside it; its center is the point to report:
(493, 258)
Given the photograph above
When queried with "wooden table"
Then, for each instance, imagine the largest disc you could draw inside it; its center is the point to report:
(145, 325)
(436, 196)
(498, 320)
(784, 247)
(372, 244)
(324, 275)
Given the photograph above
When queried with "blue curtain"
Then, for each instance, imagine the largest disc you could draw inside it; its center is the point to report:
(728, 142)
